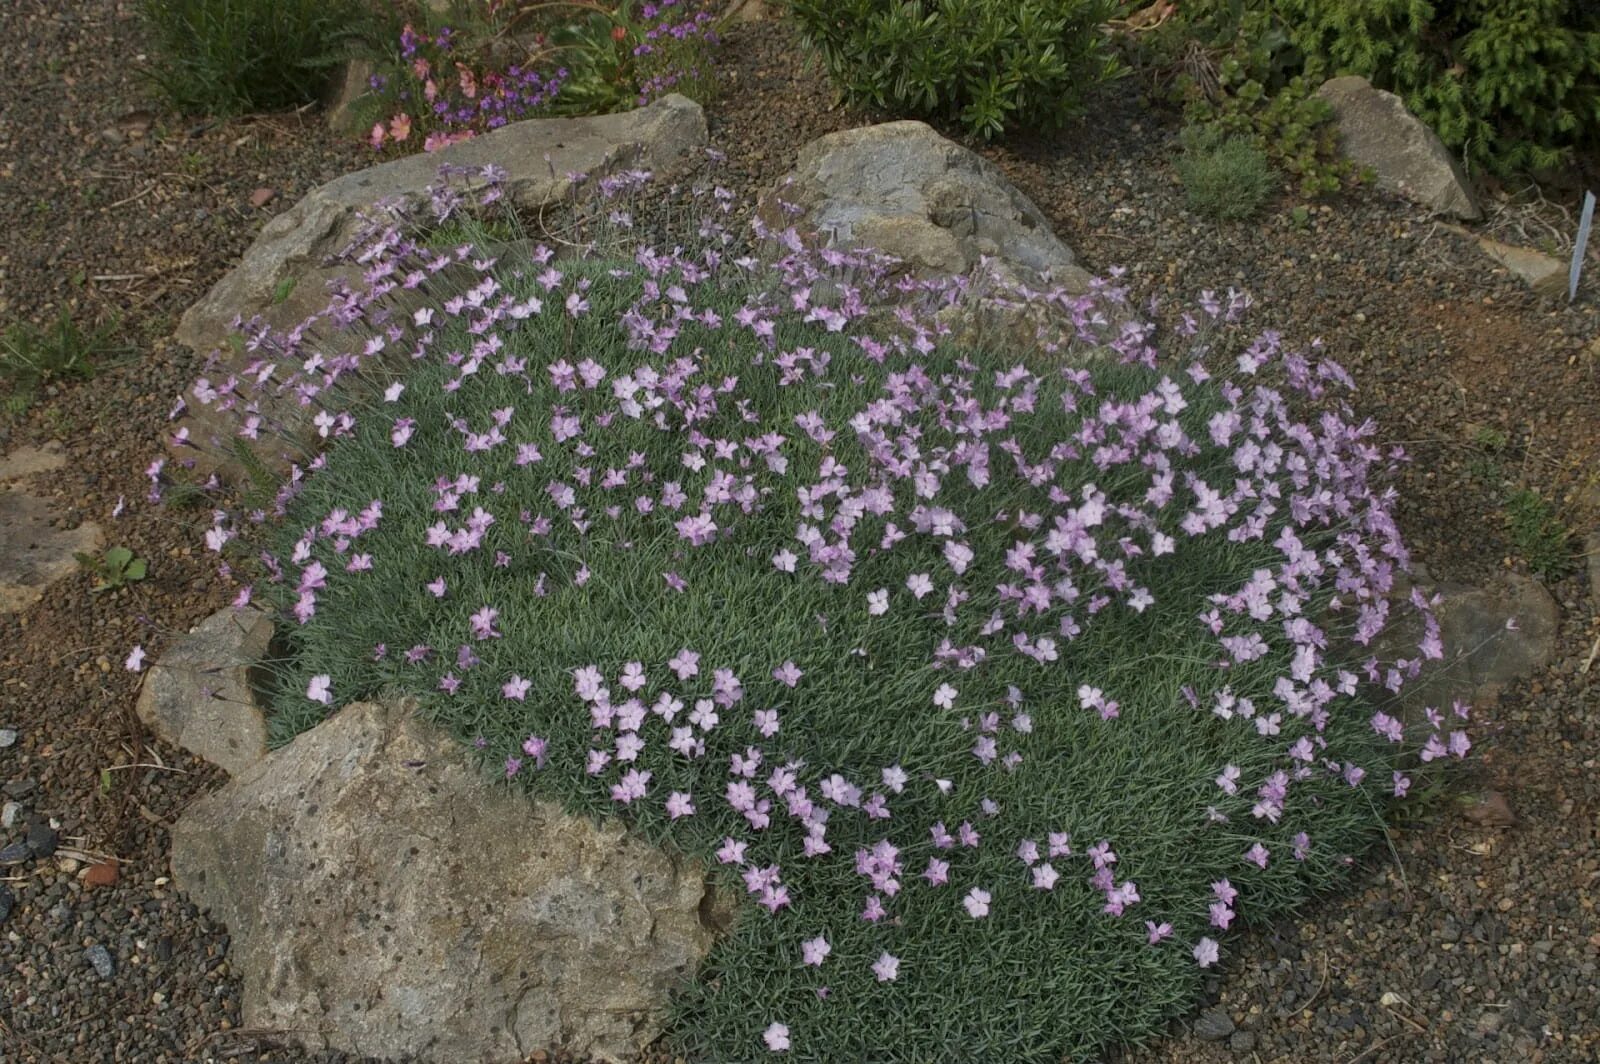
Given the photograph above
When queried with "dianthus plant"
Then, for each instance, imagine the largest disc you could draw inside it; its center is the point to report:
(1000, 686)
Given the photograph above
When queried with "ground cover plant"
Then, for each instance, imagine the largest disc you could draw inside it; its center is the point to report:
(32, 357)
(1001, 684)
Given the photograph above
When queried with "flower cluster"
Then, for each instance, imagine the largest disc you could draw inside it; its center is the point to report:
(444, 93)
(453, 84)
(757, 559)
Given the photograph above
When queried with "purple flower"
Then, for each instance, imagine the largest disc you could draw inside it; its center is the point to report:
(976, 903)
(813, 951)
(318, 690)
(516, 688)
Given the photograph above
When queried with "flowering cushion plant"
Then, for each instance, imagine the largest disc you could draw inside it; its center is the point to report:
(1000, 687)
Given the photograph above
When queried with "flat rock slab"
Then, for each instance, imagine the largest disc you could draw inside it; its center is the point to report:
(281, 275)
(1545, 274)
(1492, 636)
(199, 695)
(1376, 130)
(385, 900)
(31, 461)
(34, 552)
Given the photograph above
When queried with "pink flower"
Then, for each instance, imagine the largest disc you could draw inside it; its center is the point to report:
(483, 623)
(886, 967)
(685, 663)
(135, 660)
(318, 690)
(1206, 953)
(976, 903)
(945, 696)
(679, 804)
(376, 137)
(1157, 932)
(788, 674)
(516, 688)
(1044, 877)
(400, 126)
(813, 951)
(777, 1038)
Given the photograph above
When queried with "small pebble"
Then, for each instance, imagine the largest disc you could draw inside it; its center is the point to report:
(42, 840)
(100, 959)
(9, 814)
(15, 854)
(7, 901)
(8, 737)
(101, 875)
(1213, 1025)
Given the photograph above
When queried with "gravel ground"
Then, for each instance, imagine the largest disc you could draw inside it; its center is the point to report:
(1466, 941)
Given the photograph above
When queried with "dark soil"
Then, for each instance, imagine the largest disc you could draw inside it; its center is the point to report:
(1465, 942)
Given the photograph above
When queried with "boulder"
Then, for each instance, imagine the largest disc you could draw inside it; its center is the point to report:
(282, 276)
(199, 695)
(1377, 131)
(386, 900)
(902, 189)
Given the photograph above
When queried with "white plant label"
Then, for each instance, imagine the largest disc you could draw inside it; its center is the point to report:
(1580, 246)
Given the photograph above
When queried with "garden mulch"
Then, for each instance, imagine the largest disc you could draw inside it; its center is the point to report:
(1465, 941)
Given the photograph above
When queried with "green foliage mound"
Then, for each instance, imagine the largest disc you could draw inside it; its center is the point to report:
(991, 65)
(1225, 176)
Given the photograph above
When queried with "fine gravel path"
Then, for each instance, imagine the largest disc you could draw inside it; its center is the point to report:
(1467, 940)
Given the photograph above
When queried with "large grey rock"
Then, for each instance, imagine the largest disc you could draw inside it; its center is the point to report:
(282, 277)
(199, 695)
(1492, 636)
(34, 551)
(902, 189)
(384, 900)
(1377, 131)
